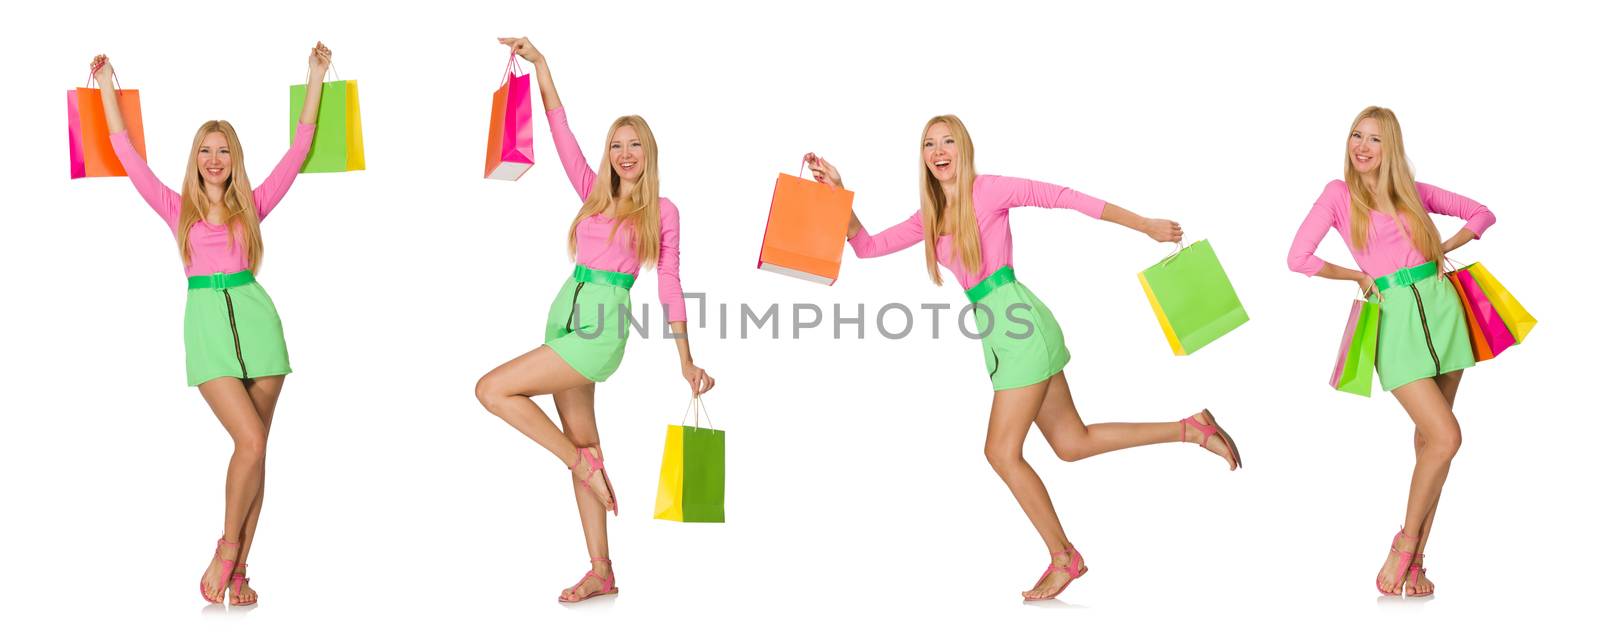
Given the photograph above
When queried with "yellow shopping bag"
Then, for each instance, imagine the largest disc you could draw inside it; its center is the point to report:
(693, 467)
(1516, 318)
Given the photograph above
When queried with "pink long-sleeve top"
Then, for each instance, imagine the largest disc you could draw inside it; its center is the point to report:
(596, 247)
(210, 250)
(993, 197)
(1389, 245)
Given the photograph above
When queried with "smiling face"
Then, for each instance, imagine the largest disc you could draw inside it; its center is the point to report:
(627, 154)
(1365, 148)
(214, 159)
(940, 153)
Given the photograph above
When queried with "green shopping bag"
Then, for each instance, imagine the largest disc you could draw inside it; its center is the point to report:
(1192, 298)
(1352, 370)
(693, 466)
(338, 144)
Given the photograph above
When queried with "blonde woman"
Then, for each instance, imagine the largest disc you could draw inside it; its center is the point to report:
(964, 225)
(622, 226)
(1423, 346)
(233, 340)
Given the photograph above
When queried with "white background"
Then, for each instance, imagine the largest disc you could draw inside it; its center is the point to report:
(858, 494)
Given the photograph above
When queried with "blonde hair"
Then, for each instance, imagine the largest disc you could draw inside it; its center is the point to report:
(641, 209)
(964, 227)
(1395, 186)
(236, 197)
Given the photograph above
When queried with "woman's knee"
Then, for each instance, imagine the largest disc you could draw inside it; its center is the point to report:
(1443, 440)
(1067, 447)
(251, 447)
(1069, 453)
(1002, 458)
(488, 391)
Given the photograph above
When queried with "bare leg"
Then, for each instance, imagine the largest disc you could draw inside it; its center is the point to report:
(264, 394)
(1424, 401)
(506, 392)
(1449, 384)
(232, 406)
(576, 408)
(1010, 417)
(1062, 427)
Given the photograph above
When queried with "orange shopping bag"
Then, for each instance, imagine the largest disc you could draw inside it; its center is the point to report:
(806, 228)
(1480, 344)
(89, 140)
(510, 152)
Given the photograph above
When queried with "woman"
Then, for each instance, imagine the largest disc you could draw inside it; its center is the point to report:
(233, 340)
(621, 227)
(964, 225)
(1423, 344)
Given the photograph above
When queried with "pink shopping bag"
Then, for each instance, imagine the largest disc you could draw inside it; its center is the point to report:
(1358, 352)
(510, 151)
(1494, 329)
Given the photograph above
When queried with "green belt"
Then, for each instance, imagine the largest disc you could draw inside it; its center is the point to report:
(221, 281)
(982, 289)
(1407, 276)
(604, 277)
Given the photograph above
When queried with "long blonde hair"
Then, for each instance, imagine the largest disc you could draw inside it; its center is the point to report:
(641, 209)
(236, 197)
(1395, 186)
(964, 228)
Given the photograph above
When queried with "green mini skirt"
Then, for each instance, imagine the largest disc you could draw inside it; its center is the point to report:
(231, 329)
(588, 321)
(1022, 343)
(1422, 330)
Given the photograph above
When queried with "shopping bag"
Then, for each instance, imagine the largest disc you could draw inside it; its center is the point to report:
(1494, 329)
(338, 144)
(1480, 345)
(510, 152)
(1511, 312)
(89, 139)
(693, 466)
(1193, 300)
(806, 228)
(1352, 370)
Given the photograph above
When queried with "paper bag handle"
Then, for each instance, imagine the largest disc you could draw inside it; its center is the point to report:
(699, 407)
(1176, 251)
(1451, 265)
(510, 65)
(116, 84)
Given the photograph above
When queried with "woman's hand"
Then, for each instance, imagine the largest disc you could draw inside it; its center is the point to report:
(101, 69)
(103, 75)
(319, 61)
(699, 381)
(1461, 238)
(1369, 288)
(524, 48)
(1162, 230)
(316, 67)
(823, 171)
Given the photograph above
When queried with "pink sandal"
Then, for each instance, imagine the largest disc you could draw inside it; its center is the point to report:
(227, 571)
(596, 465)
(1403, 563)
(1411, 579)
(608, 586)
(1074, 570)
(1208, 429)
(239, 581)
